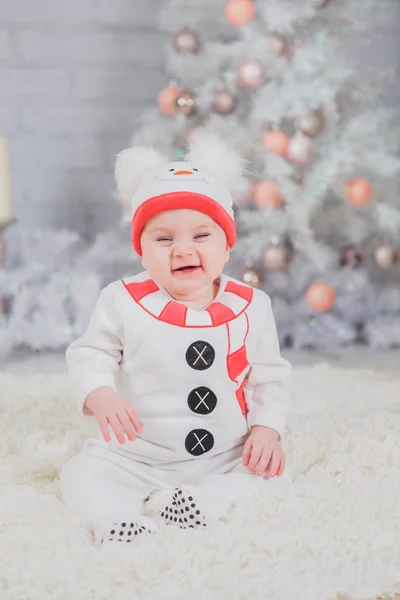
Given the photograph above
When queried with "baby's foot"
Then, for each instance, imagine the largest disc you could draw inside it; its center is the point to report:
(124, 530)
(183, 511)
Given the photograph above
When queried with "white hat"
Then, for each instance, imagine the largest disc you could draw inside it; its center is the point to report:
(150, 187)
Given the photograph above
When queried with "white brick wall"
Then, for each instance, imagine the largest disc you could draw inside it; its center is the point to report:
(74, 79)
(19, 84)
(4, 46)
(79, 12)
(88, 47)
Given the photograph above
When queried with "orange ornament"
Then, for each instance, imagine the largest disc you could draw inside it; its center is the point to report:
(266, 194)
(359, 191)
(240, 12)
(321, 296)
(276, 142)
(167, 100)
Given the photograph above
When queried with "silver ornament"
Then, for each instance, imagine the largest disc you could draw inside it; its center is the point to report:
(312, 124)
(186, 103)
(252, 277)
(386, 256)
(351, 256)
(224, 102)
(300, 150)
(278, 43)
(277, 257)
(251, 73)
(186, 41)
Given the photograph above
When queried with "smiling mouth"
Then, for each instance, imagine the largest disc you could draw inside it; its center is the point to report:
(187, 268)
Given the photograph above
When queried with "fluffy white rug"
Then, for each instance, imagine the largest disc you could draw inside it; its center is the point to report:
(337, 530)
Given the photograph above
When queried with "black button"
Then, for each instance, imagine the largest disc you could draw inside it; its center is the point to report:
(198, 442)
(202, 401)
(200, 355)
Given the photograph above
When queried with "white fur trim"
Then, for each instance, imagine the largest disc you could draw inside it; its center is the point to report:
(218, 158)
(131, 164)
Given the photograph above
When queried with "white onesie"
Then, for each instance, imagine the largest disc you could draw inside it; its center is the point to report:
(198, 379)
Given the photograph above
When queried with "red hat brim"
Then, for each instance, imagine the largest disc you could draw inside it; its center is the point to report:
(178, 200)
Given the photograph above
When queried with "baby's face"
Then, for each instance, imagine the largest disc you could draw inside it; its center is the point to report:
(183, 250)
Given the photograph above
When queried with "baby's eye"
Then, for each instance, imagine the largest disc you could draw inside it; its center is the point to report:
(172, 170)
(164, 239)
(201, 235)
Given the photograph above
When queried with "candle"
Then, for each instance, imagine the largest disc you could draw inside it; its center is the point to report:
(6, 206)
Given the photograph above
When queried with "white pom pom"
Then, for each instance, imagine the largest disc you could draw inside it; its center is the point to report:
(218, 158)
(130, 167)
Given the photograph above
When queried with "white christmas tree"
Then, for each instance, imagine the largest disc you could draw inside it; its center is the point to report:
(318, 207)
(51, 282)
(319, 218)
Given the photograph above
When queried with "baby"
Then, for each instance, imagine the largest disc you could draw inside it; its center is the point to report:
(180, 366)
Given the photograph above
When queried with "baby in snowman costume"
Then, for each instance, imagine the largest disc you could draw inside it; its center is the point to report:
(180, 365)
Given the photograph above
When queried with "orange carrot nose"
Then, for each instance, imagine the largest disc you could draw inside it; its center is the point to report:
(183, 173)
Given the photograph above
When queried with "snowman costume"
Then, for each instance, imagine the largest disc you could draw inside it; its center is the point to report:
(198, 379)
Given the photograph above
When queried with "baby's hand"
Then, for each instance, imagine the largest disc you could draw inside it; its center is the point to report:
(109, 408)
(262, 452)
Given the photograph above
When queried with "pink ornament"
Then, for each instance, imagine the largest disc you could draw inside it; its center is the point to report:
(320, 296)
(251, 73)
(240, 12)
(276, 142)
(359, 191)
(167, 100)
(266, 194)
(300, 150)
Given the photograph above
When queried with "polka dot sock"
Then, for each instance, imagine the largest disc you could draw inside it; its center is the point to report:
(183, 511)
(124, 530)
